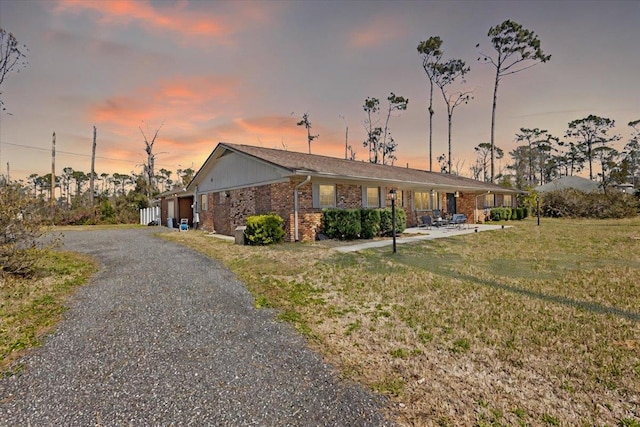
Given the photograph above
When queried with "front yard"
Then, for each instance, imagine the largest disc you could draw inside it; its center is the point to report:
(522, 326)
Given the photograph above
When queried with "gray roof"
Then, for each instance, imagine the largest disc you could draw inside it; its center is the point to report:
(575, 182)
(303, 164)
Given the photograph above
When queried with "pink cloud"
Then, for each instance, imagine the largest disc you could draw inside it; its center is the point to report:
(174, 18)
(379, 30)
(189, 20)
(182, 101)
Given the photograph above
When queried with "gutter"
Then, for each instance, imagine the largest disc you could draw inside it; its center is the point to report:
(295, 207)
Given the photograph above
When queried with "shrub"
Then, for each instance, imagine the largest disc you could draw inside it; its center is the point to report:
(500, 214)
(386, 224)
(264, 229)
(20, 229)
(370, 223)
(572, 203)
(343, 224)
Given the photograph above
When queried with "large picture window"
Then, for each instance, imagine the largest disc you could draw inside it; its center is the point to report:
(425, 201)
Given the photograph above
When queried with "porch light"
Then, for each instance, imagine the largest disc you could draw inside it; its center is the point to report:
(456, 194)
(392, 196)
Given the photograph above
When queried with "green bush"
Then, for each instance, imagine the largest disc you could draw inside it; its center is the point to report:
(500, 214)
(264, 229)
(386, 226)
(370, 223)
(343, 224)
(572, 203)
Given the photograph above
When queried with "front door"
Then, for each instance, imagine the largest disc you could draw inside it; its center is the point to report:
(451, 204)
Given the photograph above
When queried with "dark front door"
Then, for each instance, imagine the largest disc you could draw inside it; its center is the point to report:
(451, 204)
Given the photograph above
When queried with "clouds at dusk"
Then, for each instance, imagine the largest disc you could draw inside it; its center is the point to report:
(235, 71)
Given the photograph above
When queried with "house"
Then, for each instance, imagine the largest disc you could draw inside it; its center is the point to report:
(574, 182)
(237, 181)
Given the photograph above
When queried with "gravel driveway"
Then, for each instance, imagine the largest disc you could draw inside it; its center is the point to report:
(165, 336)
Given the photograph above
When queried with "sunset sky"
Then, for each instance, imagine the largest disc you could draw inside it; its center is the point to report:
(244, 71)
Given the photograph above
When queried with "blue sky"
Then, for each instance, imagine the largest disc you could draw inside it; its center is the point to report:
(236, 71)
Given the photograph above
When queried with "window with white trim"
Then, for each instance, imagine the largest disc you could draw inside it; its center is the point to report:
(204, 202)
(373, 197)
(425, 200)
(327, 195)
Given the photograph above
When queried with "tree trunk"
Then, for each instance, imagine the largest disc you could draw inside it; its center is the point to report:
(450, 115)
(431, 128)
(493, 122)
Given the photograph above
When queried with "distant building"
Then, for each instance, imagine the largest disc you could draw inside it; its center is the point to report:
(575, 182)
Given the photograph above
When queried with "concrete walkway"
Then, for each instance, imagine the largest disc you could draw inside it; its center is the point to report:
(418, 234)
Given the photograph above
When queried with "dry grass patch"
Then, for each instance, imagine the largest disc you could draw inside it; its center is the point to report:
(523, 326)
(31, 306)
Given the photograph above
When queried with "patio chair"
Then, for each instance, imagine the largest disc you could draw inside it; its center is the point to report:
(457, 220)
(425, 222)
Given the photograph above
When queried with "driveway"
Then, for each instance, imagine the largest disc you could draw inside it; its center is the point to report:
(165, 336)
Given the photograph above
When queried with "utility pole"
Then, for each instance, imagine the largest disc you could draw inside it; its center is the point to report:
(8, 174)
(53, 175)
(93, 171)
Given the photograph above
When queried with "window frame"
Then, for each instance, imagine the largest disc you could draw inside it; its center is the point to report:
(204, 202)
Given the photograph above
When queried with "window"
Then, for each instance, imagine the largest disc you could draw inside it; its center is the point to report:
(373, 197)
(425, 201)
(327, 195)
(506, 200)
(204, 205)
(489, 200)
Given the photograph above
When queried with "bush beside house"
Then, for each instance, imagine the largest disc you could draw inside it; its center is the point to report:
(264, 229)
(349, 224)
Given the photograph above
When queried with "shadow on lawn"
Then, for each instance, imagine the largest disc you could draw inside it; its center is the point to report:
(444, 269)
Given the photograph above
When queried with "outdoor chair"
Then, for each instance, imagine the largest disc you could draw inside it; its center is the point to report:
(457, 220)
(425, 222)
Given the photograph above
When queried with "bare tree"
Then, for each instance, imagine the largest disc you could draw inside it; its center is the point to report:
(517, 50)
(445, 75)
(431, 53)
(304, 121)
(12, 57)
(149, 167)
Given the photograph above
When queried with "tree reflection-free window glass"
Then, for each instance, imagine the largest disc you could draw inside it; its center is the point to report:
(327, 195)
(204, 205)
(506, 200)
(489, 200)
(373, 197)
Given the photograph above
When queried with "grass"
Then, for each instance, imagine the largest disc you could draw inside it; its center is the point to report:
(31, 307)
(463, 330)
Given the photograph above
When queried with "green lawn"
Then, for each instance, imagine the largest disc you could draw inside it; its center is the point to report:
(530, 325)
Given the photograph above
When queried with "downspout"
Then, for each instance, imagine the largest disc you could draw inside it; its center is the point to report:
(295, 207)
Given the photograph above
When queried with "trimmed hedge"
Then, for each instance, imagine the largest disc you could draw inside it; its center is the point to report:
(506, 214)
(386, 225)
(349, 224)
(343, 224)
(264, 229)
(370, 223)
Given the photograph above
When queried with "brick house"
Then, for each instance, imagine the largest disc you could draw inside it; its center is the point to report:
(237, 181)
